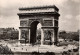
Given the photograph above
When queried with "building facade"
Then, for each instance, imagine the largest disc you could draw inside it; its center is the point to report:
(47, 16)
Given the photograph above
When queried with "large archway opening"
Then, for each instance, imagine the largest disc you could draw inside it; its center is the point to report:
(35, 33)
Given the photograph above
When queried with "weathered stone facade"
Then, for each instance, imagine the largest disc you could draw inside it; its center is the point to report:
(29, 18)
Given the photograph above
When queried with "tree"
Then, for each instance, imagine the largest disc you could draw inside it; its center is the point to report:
(69, 35)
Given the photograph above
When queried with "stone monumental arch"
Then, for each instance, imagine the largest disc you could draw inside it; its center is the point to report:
(47, 16)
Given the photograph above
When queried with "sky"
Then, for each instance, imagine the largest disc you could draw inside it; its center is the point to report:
(68, 9)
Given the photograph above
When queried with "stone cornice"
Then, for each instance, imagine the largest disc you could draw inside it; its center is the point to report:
(24, 27)
(39, 13)
(40, 7)
(50, 27)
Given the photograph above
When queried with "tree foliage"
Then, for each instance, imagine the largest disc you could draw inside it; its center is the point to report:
(69, 35)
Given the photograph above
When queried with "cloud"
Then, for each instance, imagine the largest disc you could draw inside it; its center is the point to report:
(8, 3)
(77, 1)
(78, 17)
(68, 9)
(68, 16)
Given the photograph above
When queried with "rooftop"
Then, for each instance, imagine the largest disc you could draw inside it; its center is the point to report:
(39, 10)
(39, 7)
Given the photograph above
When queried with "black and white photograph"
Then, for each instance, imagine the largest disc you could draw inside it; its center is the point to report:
(39, 27)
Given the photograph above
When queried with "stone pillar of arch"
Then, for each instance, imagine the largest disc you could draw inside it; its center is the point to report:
(24, 35)
(42, 37)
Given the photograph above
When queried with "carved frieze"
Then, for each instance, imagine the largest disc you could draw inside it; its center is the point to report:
(25, 34)
(48, 23)
(32, 20)
(48, 34)
(23, 23)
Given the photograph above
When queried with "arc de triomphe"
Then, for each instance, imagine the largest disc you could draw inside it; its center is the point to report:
(47, 16)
